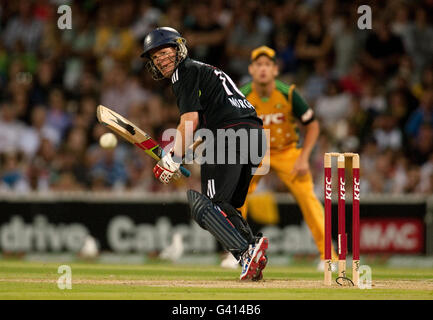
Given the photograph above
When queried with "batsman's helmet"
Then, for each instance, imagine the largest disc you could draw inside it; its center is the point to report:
(161, 37)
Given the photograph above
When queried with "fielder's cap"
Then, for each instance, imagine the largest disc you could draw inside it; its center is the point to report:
(263, 50)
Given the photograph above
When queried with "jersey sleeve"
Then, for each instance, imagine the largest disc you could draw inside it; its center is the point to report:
(186, 88)
(300, 108)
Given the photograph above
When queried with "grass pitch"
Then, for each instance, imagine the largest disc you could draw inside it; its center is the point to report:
(21, 280)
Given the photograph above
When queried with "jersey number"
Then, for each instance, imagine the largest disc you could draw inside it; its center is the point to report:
(223, 77)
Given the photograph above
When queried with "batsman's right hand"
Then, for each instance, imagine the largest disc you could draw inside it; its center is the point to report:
(166, 169)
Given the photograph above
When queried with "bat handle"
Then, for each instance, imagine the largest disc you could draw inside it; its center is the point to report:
(185, 171)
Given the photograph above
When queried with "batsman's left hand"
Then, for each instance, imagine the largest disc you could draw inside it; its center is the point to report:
(166, 169)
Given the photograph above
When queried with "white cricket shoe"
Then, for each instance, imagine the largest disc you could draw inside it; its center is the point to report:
(229, 262)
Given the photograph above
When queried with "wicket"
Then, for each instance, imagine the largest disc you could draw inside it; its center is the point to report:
(342, 238)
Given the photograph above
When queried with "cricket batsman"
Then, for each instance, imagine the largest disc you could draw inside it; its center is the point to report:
(279, 105)
(208, 98)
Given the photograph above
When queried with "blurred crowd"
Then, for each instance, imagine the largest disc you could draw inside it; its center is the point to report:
(372, 90)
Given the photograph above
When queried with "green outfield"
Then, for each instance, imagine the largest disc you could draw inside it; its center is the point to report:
(161, 281)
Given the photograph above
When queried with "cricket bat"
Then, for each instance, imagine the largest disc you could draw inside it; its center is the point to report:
(130, 132)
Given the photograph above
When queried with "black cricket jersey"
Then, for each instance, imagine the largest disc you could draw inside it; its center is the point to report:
(213, 94)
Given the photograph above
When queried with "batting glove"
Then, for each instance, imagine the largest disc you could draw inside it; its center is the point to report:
(166, 169)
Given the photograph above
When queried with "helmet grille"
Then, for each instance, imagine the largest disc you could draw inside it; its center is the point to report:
(181, 53)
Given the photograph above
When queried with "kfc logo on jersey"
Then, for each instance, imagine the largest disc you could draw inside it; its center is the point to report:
(273, 118)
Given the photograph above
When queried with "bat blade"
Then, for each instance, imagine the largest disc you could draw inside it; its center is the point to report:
(132, 133)
(111, 119)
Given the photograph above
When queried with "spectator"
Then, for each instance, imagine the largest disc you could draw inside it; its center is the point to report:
(205, 36)
(426, 173)
(372, 99)
(359, 122)
(418, 39)
(413, 180)
(50, 45)
(369, 151)
(422, 115)
(429, 189)
(400, 174)
(246, 36)
(285, 53)
(73, 155)
(41, 168)
(140, 175)
(44, 11)
(114, 41)
(333, 107)
(88, 84)
(57, 117)
(20, 103)
(146, 21)
(399, 107)
(353, 82)
(317, 83)
(401, 21)
(119, 91)
(383, 50)
(38, 130)
(285, 19)
(12, 177)
(402, 85)
(24, 29)
(85, 117)
(4, 65)
(221, 14)
(425, 83)
(78, 44)
(380, 179)
(173, 17)
(313, 42)
(11, 130)
(387, 133)
(112, 169)
(43, 82)
(66, 181)
(421, 147)
(346, 48)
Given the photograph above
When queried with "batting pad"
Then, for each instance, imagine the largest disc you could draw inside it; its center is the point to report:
(210, 217)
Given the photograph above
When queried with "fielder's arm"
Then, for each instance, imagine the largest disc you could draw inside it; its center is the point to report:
(312, 130)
